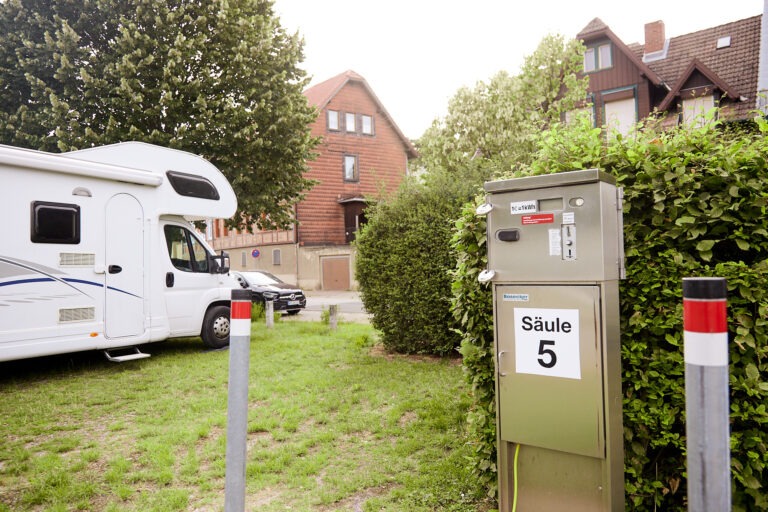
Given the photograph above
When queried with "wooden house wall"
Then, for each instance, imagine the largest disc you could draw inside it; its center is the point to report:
(624, 73)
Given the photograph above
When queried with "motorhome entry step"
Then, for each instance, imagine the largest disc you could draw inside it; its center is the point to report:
(121, 355)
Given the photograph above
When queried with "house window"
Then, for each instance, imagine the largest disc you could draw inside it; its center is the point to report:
(597, 58)
(276, 256)
(350, 168)
(333, 120)
(349, 121)
(695, 110)
(366, 124)
(620, 116)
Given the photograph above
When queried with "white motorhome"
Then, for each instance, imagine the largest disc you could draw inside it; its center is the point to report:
(97, 250)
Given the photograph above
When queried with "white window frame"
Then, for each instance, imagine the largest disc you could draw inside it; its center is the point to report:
(598, 57)
(355, 173)
(695, 110)
(615, 121)
(333, 120)
(349, 122)
(366, 124)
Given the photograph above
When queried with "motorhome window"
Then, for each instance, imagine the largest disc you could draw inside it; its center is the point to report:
(55, 223)
(186, 251)
(190, 185)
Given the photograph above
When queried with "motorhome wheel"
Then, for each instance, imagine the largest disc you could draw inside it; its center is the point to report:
(215, 331)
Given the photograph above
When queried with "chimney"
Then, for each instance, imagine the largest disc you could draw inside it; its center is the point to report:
(654, 37)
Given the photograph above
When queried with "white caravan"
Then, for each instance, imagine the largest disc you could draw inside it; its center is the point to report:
(97, 250)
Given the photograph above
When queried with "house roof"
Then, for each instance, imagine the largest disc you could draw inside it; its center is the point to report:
(321, 94)
(733, 68)
(697, 66)
(596, 29)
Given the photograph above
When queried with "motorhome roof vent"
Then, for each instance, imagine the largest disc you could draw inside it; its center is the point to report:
(190, 185)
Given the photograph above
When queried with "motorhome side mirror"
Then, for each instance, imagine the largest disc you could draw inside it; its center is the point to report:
(218, 263)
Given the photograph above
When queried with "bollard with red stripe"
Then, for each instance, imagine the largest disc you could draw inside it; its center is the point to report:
(240, 315)
(237, 403)
(705, 349)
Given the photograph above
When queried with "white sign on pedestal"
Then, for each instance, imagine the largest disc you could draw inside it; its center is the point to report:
(547, 342)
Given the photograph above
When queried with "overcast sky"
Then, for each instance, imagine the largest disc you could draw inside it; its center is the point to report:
(415, 54)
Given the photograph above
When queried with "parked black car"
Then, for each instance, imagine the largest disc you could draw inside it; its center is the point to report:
(265, 286)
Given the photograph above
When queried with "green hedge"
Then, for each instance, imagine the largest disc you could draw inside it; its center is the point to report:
(472, 306)
(402, 265)
(695, 205)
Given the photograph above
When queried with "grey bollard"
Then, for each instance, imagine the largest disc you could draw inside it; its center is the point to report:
(237, 400)
(333, 318)
(269, 312)
(705, 345)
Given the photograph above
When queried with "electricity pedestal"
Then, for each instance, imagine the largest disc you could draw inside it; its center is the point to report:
(555, 257)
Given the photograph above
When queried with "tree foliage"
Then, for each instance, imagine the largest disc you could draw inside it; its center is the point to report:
(496, 121)
(218, 79)
(695, 202)
(404, 255)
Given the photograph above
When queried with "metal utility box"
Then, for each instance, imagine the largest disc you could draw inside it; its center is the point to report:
(555, 255)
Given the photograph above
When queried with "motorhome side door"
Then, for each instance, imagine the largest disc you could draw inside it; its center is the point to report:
(124, 258)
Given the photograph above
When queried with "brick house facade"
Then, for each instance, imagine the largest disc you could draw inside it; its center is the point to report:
(362, 156)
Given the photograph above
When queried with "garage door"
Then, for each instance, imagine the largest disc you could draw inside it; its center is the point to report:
(335, 271)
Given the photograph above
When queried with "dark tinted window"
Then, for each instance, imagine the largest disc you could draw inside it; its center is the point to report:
(186, 251)
(55, 223)
(190, 185)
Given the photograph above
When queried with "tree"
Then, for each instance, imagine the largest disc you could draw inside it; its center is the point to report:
(404, 256)
(219, 79)
(493, 125)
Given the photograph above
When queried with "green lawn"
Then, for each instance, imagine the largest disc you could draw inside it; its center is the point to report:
(334, 424)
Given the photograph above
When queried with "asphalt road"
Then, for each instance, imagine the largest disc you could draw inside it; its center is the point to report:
(350, 307)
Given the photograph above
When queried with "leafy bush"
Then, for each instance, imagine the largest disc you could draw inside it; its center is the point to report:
(472, 307)
(695, 204)
(403, 265)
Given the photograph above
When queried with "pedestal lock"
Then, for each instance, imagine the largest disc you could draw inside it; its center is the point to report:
(568, 237)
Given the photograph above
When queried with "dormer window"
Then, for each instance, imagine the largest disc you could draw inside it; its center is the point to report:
(598, 57)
